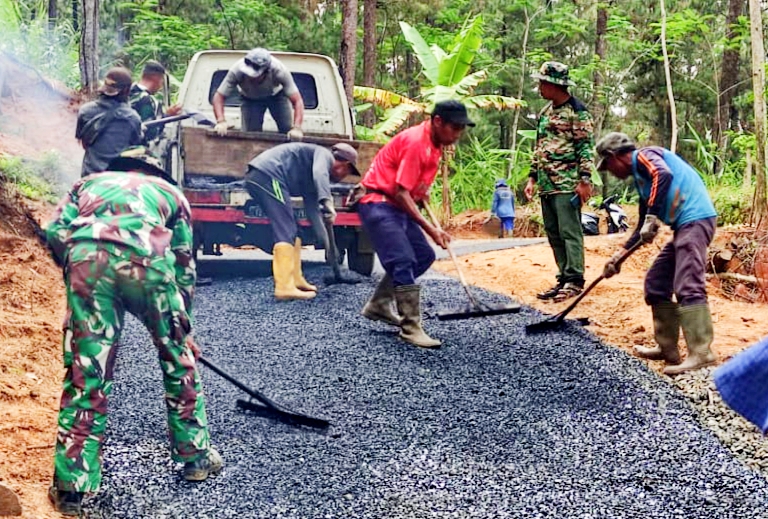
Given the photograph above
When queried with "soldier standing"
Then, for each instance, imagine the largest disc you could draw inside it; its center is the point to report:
(108, 126)
(142, 98)
(125, 241)
(562, 168)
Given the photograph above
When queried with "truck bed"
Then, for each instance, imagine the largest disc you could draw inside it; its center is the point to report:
(208, 154)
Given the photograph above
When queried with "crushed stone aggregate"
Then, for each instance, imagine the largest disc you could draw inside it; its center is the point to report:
(495, 424)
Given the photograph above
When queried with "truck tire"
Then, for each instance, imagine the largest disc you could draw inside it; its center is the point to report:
(360, 262)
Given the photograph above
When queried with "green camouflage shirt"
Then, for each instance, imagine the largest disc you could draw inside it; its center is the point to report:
(129, 211)
(147, 107)
(564, 147)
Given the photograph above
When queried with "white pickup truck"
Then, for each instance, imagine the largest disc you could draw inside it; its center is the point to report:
(207, 165)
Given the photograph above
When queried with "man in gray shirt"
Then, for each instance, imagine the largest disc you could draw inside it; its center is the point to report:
(107, 126)
(264, 83)
(297, 169)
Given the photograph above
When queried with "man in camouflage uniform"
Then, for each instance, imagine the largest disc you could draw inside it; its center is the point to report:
(142, 98)
(125, 243)
(562, 168)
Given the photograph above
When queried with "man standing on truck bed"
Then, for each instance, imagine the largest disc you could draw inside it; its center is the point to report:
(399, 178)
(304, 170)
(264, 84)
(108, 126)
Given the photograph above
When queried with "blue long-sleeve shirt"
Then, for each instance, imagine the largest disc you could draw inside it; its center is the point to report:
(503, 202)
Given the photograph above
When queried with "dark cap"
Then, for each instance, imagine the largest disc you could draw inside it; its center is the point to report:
(452, 112)
(152, 67)
(138, 158)
(117, 81)
(612, 144)
(343, 151)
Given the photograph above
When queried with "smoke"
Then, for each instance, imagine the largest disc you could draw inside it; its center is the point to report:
(37, 120)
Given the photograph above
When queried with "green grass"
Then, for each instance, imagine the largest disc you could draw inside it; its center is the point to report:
(35, 179)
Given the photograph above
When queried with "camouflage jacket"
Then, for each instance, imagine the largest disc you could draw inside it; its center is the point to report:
(564, 147)
(147, 107)
(129, 211)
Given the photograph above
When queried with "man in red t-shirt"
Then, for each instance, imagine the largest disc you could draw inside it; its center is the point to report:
(397, 182)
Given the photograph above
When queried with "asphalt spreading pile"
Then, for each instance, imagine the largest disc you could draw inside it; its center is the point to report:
(495, 424)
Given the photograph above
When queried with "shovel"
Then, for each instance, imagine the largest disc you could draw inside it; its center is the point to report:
(333, 259)
(556, 321)
(267, 408)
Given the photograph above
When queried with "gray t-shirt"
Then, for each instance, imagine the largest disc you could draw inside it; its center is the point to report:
(277, 79)
(304, 168)
(121, 131)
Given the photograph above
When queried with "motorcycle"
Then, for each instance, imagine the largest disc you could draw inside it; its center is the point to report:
(615, 218)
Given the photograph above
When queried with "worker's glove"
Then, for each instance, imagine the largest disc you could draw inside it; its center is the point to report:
(329, 213)
(221, 128)
(613, 266)
(295, 134)
(649, 229)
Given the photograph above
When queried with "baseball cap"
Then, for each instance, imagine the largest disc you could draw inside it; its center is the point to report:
(138, 158)
(612, 144)
(117, 81)
(255, 62)
(152, 67)
(452, 112)
(554, 72)
(343, 151)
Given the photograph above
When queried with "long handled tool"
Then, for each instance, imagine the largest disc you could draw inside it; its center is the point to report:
(556, 321)
(267, 408)
(476, 308)
(333, 259)
(196, 116)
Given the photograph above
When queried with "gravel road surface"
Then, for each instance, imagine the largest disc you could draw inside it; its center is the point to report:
(494, 424)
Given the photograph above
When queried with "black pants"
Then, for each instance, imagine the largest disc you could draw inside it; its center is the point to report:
(252, 113)
(273, 196)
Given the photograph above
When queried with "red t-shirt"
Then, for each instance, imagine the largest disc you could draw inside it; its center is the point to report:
(410, 160)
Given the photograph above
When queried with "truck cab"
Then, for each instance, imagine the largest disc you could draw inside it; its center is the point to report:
(211, 168)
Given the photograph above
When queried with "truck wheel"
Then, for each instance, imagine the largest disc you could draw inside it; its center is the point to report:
(360, 262)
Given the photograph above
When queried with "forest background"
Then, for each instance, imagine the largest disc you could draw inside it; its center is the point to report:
(615, 49)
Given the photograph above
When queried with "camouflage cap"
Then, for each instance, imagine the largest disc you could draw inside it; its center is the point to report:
(116, 82)
(138, 158)
(554, 72)
(612, 144)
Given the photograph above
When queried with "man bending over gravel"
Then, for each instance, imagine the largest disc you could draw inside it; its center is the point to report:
(399, 178)
(671, 191)
(125, 242)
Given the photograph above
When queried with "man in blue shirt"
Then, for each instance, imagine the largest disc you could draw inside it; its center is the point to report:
(503, 207)
(671, 191)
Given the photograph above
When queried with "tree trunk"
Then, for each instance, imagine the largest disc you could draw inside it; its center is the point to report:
(598, 107)
(369, 51)
(729, 78)
(53, 14)
(75, 17)
(760, 205)
(668, 76)
(348, 51)
(89, 47)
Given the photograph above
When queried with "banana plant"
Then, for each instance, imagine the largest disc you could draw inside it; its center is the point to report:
(448, 77)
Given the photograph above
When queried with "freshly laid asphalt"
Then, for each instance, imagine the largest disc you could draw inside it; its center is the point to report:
(495, 424)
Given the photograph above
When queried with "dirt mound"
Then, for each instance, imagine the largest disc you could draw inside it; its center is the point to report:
(31, 312)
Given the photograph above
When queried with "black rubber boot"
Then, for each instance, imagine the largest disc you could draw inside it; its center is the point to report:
(66, 502)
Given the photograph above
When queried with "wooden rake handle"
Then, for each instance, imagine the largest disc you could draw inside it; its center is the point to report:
(462, 279)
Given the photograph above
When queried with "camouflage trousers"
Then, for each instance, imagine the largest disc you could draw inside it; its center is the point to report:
(103, 281)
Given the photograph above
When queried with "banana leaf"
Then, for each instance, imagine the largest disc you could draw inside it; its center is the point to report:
(494, 102)
(380, 97)
(397, 117)
(466, 85)
(465, 46)
(423, 52)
